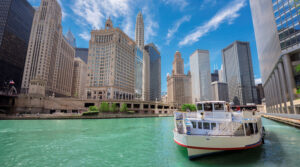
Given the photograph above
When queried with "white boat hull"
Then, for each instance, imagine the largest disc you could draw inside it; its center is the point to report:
(198, 145)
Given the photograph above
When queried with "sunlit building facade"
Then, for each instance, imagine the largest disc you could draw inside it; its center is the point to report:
(111, 64)
(277, 33)
(201, 76)
(179, 84)
(238, 70)
(49, 57)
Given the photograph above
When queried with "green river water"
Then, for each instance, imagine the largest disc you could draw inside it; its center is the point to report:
(129, 142)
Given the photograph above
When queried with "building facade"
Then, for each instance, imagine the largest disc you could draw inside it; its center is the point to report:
(79, 78)
(50, 57)
(277, 33)
(16, 18)
(221, 74)
(215, 76)
(201, 76)
(219, 91)
(71, 39)
(82, 53)
(260, 93)
(138, 71)
(139, 40)
(238, 70)
(111, 64)
(155, 72)
(179, 84)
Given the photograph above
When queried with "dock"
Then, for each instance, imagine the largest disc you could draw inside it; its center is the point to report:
(290, 119)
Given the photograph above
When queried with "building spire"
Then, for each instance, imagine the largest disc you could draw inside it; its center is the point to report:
(139, 30)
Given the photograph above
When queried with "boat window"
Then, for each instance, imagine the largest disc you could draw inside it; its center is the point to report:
(256, 128)
(213, 126)
(199, 125)
(251, 128)
(219, 106)
(199, 107)
(206, 125)
(194, 124)
(207, 107)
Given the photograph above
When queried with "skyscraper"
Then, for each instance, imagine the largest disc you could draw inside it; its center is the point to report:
(155, 72)
(138, 70)
(201, 76)
(50, 57)
(139, 30)
(139, 40)
(219, 91)
(82, 53)
(111, 64)
(238, 70)
(215, 76)
(179, 84)
(277, 33)
(15, 25)
(79, 78)
(70, 38)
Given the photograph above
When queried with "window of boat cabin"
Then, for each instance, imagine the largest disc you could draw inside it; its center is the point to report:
(219, 106)
(199, 107)
(199, 125)
(255, 127)
(208, 107)
(206, 125)
(213, 126)
(194, 124)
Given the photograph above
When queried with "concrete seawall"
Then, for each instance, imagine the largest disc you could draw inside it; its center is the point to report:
(286, 119)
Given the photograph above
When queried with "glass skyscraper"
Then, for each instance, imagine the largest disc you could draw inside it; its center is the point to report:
(15, 25)
(155, 72)
(138, 72)
(277, 33)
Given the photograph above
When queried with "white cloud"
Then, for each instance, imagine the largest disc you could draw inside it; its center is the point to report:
(175, 27)
(207, 3)
(228, 14)
(93, 13)
(85, 35)
(258, 81)
(177, 3)
(150, 24)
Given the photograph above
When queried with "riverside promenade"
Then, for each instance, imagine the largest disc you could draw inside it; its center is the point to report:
(78, 116)
(290, 119)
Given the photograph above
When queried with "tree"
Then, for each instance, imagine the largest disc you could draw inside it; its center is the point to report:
(114, 107)
(104, 107)
(93, 108)
(191, 107)
(124, 108)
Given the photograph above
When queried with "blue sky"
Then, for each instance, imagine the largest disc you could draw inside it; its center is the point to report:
(184, 25)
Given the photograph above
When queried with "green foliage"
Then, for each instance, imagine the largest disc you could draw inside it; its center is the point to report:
(93, 108)
(191, 107)
(124, 108)
(90, 113)
(131, 112)
(114, 108)
(298, 68)
(104, 107)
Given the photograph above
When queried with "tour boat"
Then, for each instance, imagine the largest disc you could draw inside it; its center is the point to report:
(215, 127)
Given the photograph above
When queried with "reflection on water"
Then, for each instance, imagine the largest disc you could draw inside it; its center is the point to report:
(129, 142)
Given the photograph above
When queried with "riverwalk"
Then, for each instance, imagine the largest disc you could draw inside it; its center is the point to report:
(78, 116)
(290, 119)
